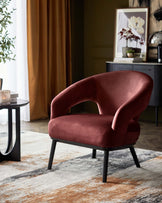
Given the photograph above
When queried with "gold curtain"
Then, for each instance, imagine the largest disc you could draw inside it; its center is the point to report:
(49, 52)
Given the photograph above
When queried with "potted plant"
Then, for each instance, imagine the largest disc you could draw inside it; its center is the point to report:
(128, 35)
(6, 42)
(130, 53)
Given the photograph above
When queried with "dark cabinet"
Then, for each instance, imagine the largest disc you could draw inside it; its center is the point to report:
(154, 70)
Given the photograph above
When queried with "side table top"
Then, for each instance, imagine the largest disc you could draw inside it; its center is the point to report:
(19, 103)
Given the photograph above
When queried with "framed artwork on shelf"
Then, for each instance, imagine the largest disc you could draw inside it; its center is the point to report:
(155, 13)
(131, 34)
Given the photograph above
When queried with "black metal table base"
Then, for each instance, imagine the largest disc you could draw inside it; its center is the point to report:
(13, 150)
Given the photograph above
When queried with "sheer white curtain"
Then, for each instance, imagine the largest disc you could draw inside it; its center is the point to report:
(15, 73)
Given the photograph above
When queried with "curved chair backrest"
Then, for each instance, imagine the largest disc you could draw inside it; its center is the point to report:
(108, 90)
(116, 88)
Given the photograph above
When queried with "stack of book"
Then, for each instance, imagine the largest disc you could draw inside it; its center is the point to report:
(13, 97)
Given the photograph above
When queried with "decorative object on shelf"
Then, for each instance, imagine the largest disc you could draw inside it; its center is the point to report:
(131, 32)
(160, 53)
(130, 53)
(155, 40)
(13, 97)
(4, 96)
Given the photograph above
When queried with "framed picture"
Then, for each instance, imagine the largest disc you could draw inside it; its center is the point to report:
(131, 33)
(155, 13)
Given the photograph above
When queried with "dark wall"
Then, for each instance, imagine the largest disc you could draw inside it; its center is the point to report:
(77, 33)
(92, 23)
(99, 29)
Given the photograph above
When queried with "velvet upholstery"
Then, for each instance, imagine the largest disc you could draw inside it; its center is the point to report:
(92, 129)
(121, 97)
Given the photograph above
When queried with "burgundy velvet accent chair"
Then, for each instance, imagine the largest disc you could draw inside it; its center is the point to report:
(121, 97)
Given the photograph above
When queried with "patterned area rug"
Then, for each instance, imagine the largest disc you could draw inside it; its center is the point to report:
(76, 177)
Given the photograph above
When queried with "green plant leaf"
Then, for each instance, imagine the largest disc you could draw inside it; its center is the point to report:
(7, 43)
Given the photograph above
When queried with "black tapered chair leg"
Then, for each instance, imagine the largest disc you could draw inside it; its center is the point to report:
(93, 153)
(105, 165)
(53, 146)
(133, 152)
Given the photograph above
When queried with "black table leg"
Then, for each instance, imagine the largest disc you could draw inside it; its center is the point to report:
(18, 143)
(10, 144)
(14, 153)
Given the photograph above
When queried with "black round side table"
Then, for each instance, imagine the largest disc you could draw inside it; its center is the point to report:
(13, 152)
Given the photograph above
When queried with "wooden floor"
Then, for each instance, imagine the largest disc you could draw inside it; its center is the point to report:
(150, 137)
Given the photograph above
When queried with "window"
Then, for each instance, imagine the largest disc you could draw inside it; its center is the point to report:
(15, 73)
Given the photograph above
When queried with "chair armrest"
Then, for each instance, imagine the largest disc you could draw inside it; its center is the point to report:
(131, 110)
(83, 90)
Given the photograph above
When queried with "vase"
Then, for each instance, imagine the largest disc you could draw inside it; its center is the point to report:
(137, 52)
(130, 55)
(124, 51)
(1, 82)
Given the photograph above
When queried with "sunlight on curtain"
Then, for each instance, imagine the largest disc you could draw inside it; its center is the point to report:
(15, 73)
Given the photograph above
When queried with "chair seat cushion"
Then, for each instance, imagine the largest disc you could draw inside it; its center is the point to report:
(91, 129)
